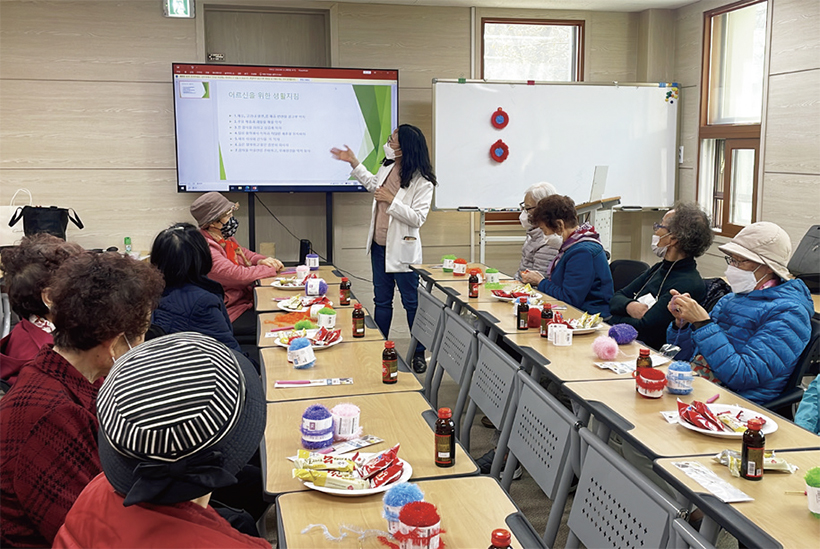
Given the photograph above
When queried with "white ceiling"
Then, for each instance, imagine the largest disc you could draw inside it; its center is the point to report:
(592, 5)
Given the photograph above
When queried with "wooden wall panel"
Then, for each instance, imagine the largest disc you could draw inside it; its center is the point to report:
(793, 202)
(612, 47)
(66, 124)
(792, 128)
(688, 120)
(92, 40)
(688, 40)
(795, 40)
(687, 188)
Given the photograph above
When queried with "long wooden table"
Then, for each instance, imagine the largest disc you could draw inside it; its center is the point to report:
(266, 298)
(431, 274)
(360, 361)
(783, 517)
(344, 320)
(638, 419)
(329, 273)
(393, 417)
(470, 509)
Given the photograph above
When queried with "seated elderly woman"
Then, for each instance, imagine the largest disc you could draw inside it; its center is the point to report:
(683, 234)
(579, 274)
(191, 302)
(234, 266)
(101, 306)
(152, 494)
(751, 341)
(538, 250)
(27, 270)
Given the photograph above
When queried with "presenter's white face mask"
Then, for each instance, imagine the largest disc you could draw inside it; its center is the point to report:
(657, 249)
(741, 282)
(524, 218)
(390, 152)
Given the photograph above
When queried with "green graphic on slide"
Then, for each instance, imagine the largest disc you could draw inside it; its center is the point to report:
(207, 86)
(222, 175)
(374, 102)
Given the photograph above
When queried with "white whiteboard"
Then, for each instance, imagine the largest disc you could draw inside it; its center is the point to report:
(556, 133)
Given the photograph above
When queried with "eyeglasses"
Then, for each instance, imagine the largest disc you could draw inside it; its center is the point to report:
(734, 262)
(525, 208)
(657, 226)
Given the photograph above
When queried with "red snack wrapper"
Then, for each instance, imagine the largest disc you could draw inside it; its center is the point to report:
(699, 415)
(378, 462)
(501, 293)
(386, 476)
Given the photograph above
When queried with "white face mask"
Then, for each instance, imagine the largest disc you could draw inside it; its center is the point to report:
(741, 282)
(524, 219)
(659, 251)
(389, 152)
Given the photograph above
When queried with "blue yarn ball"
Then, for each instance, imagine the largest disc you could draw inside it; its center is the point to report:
(317, 412)
(322, 288)
(400, 495)
(301, 343)
(623, 333)
(679, 378)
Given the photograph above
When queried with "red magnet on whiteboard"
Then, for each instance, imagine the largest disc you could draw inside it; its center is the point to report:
(499, 151)
(500, 119)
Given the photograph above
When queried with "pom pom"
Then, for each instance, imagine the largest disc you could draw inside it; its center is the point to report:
(402, 494)
(300, 353)
(317, 427)
(315, 287)
(812, 477)
(326, 311)
(534, 318)
(623, 333)
(605, 348)
(346, 421)
(304, 325)
(679, 378)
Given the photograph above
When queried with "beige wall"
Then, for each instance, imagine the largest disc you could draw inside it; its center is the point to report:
(87, 121)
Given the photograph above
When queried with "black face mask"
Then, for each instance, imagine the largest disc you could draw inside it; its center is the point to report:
(230, 227)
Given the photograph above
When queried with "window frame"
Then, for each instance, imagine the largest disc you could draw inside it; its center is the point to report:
(578, 23)
(731, 134)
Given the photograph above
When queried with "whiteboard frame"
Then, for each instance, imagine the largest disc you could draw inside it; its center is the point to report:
(613, 83)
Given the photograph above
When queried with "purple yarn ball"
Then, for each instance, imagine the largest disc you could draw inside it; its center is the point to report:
(623, 333)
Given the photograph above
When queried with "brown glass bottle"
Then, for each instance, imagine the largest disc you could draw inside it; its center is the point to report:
(546, 318)
(358, 320)
(644, 360)
(523, 316)
(344, 292)
(390, 363)
(445, 438)
(473, 284)
(751, 456)
(500, 539)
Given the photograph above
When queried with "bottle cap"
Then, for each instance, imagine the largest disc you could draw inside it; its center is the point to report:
(127, 240)
(522, 300)
(547, 306)
(445, 413)
(344, 279)
(501, 538)
(389, 345)
(756, 423)
(644, 352)
(473, 271)
(357, 306)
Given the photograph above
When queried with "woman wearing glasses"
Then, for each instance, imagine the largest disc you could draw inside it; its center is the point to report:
(682, 235)
(751, 341)
(538, 250)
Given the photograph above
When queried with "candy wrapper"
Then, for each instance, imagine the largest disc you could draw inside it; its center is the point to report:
(386, 476)
(771, 462)
(378, 462)
(331, 479)
(320, 462)
(699, 415)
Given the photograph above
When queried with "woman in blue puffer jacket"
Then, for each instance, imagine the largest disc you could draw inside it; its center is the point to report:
(191, 302)
(754, 336)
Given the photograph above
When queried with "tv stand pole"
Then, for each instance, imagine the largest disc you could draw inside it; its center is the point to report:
(329, 227)
(252, 221)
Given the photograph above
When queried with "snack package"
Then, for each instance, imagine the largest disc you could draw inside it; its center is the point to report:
(378, 462)
(386, 476)
(731, 459)
(331, 479)
(305, 459)
(699, 415)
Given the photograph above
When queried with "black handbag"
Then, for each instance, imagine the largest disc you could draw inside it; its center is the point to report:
(40, 219)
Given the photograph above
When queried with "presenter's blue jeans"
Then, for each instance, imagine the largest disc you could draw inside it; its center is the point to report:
(384, 284)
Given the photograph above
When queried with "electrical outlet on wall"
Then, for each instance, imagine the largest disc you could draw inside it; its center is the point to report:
(680, 154)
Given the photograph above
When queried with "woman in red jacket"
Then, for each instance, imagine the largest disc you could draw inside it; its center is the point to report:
(234, 266)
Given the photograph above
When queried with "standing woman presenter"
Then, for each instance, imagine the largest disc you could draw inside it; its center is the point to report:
(402, 191)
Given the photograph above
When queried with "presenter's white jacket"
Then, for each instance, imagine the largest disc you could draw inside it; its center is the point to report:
(406, 215)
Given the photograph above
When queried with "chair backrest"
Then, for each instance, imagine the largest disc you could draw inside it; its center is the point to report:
(429, 317)
(457, 346)
(809, 358)
(540, 435)
(689, 535)
(806, 257)
(625, 271)
(493, 380)
(615, 505)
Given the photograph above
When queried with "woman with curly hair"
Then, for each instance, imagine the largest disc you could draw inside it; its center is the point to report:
(101, 306)
(28, 270)
(683, 234)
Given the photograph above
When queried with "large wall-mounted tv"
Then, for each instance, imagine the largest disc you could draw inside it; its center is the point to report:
(260, 128)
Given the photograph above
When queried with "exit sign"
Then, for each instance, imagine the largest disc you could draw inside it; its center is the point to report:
(178, 8)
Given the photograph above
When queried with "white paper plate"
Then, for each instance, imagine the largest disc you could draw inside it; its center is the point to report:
(582, 331)
(278, 284)
(769, 427)
(406, 473)
(283, 307)
(309, 334)
(511, 299)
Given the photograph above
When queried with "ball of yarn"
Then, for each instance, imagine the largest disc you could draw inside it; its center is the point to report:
(301, 354)
(623, 333)
(605, 348)
(312, 289)
(317, 427)
(534, 318)
(346, 421)
(398, 496)
(679, 378)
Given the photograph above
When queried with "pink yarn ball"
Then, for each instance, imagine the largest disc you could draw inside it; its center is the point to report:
(605, 347)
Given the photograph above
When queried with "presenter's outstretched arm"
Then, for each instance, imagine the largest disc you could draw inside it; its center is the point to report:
(345, 155)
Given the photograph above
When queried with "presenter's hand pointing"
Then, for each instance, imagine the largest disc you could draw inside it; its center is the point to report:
(345, 155)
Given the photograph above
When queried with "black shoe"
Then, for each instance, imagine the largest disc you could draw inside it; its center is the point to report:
(419, 364)
(485, 464)
(485, 421)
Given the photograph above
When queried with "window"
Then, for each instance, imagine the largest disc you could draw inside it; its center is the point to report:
(734, 45)
(519, 49)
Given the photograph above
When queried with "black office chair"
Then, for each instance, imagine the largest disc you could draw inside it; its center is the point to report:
(791, 395)
(624, 271)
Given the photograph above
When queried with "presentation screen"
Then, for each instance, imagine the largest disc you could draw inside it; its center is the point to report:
(256, 129)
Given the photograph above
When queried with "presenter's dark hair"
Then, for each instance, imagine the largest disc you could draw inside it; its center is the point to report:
(414, 156)
(181, 254)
